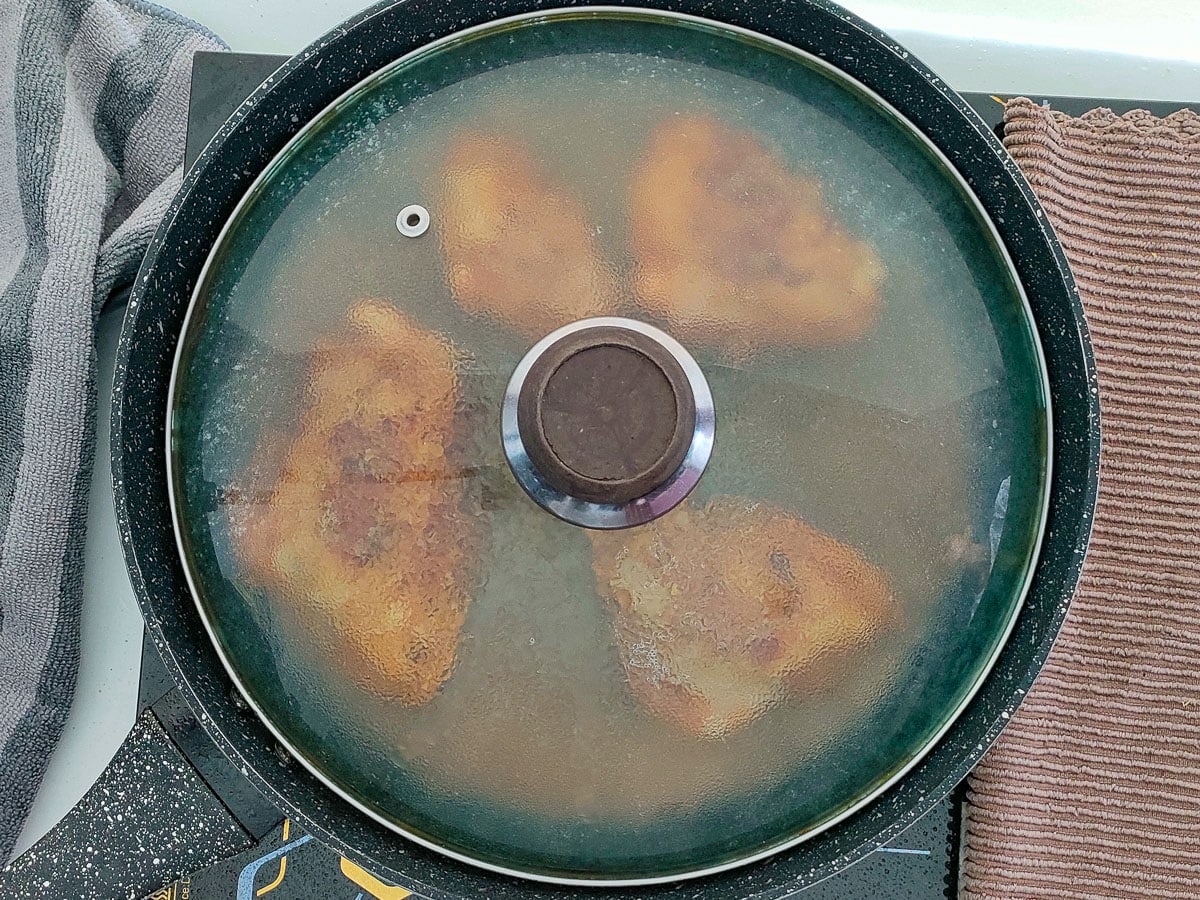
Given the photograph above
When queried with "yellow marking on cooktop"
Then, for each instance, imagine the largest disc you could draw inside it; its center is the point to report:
(369, 882)
(267, 888)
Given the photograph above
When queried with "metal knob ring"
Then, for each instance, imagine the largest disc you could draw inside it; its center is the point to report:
(577, 499)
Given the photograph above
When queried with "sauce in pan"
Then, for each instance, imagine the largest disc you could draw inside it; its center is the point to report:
(630, 704)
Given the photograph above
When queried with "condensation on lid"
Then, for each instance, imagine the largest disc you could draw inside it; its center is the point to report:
(565, 702)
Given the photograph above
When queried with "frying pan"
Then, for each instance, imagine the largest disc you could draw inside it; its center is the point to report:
(252, 137)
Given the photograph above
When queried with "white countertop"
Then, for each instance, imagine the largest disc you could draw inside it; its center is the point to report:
(1137, 49)
(1149, 49)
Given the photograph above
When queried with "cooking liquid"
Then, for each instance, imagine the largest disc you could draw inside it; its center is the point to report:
(534, 754)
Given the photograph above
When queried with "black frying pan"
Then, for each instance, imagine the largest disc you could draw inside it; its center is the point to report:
(263, 125)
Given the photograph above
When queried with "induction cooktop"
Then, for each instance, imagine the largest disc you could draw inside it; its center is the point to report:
(171, 818)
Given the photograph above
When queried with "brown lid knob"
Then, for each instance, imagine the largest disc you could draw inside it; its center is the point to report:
(606, 414)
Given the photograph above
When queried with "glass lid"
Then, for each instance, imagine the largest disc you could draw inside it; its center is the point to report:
(609, 446)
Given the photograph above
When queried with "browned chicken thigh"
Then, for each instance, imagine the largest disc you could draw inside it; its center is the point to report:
(518, 246)
(721, 611)
(736, 251)
(363, 541)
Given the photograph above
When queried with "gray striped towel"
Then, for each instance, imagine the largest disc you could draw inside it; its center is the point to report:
(93, 95)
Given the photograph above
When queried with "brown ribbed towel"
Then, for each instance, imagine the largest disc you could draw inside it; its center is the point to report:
(1094, 788)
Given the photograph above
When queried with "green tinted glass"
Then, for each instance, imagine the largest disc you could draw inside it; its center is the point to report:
(635, 704)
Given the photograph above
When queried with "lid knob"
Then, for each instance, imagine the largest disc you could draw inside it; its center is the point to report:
(606, 414)
(609, 420)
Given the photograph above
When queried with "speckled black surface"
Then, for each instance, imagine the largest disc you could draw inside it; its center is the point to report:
(298, 91)
(902, 872)
(147, 819)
